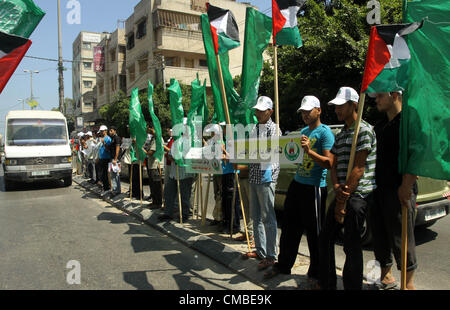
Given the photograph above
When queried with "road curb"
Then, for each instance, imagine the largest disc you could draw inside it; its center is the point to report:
(210, 247)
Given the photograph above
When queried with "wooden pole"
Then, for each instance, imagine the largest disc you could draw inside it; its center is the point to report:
(233, 206)
(277, 106)
(227, 115)
(140, 179)
(351, 162)
(404, 246)
(195, 206)
(161, 181)
(200, 194)
(179, 195)
(205, 206)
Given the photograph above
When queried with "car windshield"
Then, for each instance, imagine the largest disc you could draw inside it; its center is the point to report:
(26, 132)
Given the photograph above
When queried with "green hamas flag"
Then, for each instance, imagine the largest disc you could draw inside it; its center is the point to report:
(177, 114)
(198, 108)
(19, 17)
(233, 98)
(425, 122)
(258, 30)
(159, 154)
(138, 126)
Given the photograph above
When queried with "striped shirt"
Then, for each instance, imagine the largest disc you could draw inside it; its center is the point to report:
(266, 172)
(342, 147)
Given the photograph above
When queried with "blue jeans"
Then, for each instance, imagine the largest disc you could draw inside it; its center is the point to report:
(171, 196)
(262, 199)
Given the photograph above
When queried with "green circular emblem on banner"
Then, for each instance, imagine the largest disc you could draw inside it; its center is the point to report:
(292, 151)
(216, 164)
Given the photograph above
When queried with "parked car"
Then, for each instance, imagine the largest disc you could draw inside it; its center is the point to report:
(432, 201)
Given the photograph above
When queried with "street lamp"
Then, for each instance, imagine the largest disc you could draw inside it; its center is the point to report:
(31, 81)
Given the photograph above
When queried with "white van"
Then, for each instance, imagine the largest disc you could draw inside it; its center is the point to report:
(36, 147)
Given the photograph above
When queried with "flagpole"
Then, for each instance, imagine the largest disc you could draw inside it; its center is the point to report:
(205, 206)
(404, 245)
(179, 195)
(161, 181)
(277, 107)
(227, 115)
(131, 181)
(140, 178)
(201, 195)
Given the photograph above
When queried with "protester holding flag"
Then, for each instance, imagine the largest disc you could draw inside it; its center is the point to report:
(353, 195)
(304, 207)
(114, 147)
(153, 171)
(262, 180)
(393, 190)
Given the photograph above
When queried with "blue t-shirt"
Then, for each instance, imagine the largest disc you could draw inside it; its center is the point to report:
(103, 152)
(309, 172)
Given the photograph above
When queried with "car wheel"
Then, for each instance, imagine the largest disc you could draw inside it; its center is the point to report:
(9, 185)
(67, 181)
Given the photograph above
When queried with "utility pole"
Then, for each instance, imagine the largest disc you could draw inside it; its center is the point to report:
(60, 63)
(31, 82)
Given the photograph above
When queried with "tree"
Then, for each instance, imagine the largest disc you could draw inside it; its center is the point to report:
(333, 55)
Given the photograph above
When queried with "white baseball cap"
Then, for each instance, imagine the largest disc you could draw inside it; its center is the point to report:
(80, 134)
(212, 128)
(309, 103)
(89, 133)
(264, 103)
(345, 94)
(103, 127)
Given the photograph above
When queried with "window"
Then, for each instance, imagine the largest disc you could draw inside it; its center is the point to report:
(113, 83)
(87, 65)
(203, 63)
(172, 61)
(87, 84)
(143, 64)
(87, 45)
(29, 132)
(130, 41)
(101, 88)
(112, 54)
(123, 82)
(189, 63)
(177, 20)
(132, 72)
(88, 104)
(141, 29)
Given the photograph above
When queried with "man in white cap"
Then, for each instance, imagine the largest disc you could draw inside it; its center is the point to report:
(262, 182)
(353, 195)
(304, 207)
(393, 190)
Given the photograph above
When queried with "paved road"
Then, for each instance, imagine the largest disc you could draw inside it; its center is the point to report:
(44, 226)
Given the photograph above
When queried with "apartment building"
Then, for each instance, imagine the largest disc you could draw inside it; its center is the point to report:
(83, 75)
(164, 41)
(113, 77)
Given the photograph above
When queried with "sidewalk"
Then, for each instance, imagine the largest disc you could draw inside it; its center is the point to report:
(206, 239)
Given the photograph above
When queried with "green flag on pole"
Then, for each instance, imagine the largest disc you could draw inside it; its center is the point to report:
(233, 97)
(425, 122)
(138, 126)
(198, 108)
(177, 114)
(159, 153)
(19, 17)
(258, 31)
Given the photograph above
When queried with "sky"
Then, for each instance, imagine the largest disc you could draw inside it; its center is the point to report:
(96, 16)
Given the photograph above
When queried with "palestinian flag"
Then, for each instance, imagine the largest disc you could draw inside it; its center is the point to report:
(224, 29)
(12, 50)
(387, 59)
(284, 20)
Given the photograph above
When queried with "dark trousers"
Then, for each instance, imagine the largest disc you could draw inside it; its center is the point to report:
(353, 227)
(386, 225)
(135, 190)
(103, 165)
(228, 181)
(304, 210)
(98, 171)
(155, 185)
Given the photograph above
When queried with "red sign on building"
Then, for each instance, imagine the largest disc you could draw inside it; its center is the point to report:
(99, 59)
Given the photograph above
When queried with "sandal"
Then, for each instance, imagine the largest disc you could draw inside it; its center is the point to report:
(266, 263)
(244, 238)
